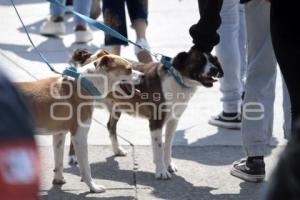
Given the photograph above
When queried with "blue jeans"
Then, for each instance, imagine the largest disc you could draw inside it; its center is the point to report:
(231, 52)
(81, 6)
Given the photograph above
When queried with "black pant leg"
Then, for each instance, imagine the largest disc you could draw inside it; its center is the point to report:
(114, 16)
(137, 9)
(286, 41)
(204, 33)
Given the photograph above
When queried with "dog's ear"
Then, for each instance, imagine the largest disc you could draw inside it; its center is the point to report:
(179, 60)
(103, 63)
(101, 53)
(80, 55)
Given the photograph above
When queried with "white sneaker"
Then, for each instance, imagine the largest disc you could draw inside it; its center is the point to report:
(142, 54)
(53, 28)
(68, 12)
(142, 42)
(83, 36)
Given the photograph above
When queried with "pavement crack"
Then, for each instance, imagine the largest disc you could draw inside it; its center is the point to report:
(135, 169)
(134, 160)
(135, 165)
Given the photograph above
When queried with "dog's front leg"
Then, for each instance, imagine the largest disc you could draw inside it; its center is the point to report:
(58, 144)
(79, 140)
(161, 171)
(169, 136)
(112, 128)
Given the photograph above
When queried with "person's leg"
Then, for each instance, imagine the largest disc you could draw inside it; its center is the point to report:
(69, 2)
(55, 25)
(287, 116)
(261, 78)
(138, 12)
(114, 16)
(228, 53)
(285, 182)
(82, 32)
(95, 9)
(285, 38)
(83, 7)
(57, 11)
(243, 44)
(257, 122)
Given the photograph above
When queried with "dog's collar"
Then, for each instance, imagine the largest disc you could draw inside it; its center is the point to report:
(167, 62)
(85, 83)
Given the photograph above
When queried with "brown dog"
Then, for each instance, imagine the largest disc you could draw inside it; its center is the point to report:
(61, 104)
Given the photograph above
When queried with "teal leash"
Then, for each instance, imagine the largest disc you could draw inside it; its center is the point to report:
(165, 60)
(69, 71)
(30, 40)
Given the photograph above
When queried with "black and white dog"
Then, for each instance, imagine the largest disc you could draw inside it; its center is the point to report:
(158, 99)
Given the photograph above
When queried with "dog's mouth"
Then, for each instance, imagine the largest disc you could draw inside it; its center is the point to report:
(130, 89)
(207, 81)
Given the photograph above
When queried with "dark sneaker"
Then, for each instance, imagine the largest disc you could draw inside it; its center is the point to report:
(227, 120)
(253, 171)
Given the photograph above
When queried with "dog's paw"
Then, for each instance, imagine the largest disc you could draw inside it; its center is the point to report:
(94, 188)
(172, 168)
(162, 174)
(59, 181)
(72, 160)
(120, 151)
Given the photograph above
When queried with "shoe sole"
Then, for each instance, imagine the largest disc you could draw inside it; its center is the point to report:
(52, 34)
(79, 38)
(228, 125)
(247, 177)
(144, 57)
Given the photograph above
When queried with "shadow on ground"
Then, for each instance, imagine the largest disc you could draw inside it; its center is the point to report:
(56, 193)
(232, 138)
(19, 2)
(178, 187)
(53, 48)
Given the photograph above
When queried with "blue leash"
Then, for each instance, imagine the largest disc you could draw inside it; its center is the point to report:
(165, 60)
(86, 84)
(99, 25)
(29, 38)
(69, 71)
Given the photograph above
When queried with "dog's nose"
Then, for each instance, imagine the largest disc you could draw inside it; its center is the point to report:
(213, 71)
(220, 74)
(216, 72)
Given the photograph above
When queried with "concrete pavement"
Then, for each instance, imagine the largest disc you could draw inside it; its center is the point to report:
(203, 175)
(202, 153)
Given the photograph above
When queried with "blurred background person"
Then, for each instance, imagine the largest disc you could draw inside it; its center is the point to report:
(19, 164)
(95, 8)
(55, 25)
